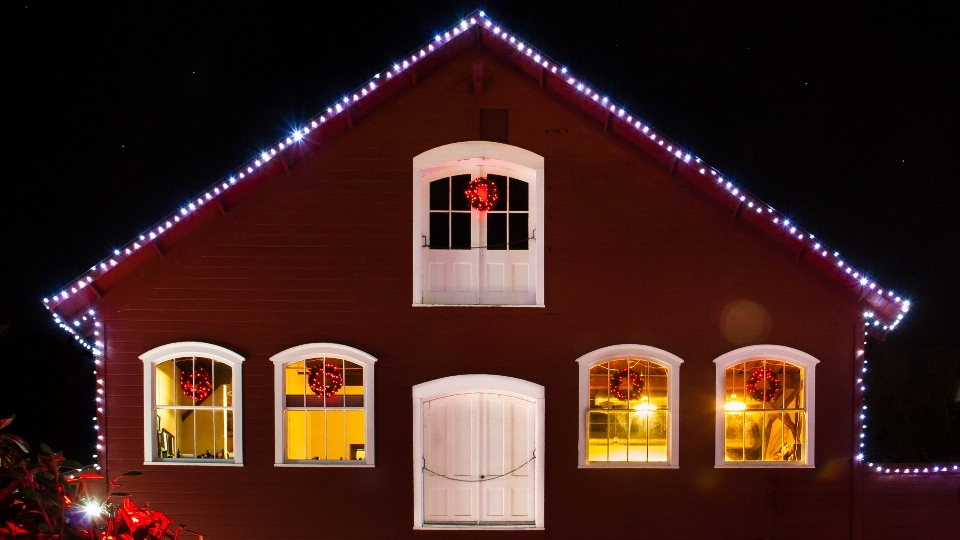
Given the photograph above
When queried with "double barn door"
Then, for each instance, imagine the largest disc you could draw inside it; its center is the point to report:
(473, 256)
(478, 459)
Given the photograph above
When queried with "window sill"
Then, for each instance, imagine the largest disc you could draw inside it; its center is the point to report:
(197, 462)
(327, 464)
(481, 305)
(763, 465)
(626, 465)
(473, 527)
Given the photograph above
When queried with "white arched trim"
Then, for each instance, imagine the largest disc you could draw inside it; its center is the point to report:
(322, 350)
(185, 349)
(462, 384)
(645, 352)
(447, 159)
(770, 352)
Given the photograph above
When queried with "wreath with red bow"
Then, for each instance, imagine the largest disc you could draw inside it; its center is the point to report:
(325, 379)
(760, 391)
(616, 380)
(482, 193)
(195, 383)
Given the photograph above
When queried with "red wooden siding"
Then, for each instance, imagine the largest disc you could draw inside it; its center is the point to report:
(632, 256)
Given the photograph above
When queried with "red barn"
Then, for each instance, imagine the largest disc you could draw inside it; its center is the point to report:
(475, 295)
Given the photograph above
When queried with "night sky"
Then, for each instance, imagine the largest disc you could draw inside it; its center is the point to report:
(845, 119)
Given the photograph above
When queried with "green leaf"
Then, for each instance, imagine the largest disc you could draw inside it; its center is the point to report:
(131, 473)
(44, 528)
(19, 441)
(119, 494)
(7, 421)
(45, 449)
(72, 464)
(30, 493)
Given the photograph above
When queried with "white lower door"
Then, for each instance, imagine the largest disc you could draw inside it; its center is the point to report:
(478, 455)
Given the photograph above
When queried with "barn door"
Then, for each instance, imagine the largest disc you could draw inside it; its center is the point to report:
(478, 257)
(478, 459)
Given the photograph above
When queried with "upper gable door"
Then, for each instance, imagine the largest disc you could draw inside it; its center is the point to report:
(473, 256)
(478, 451)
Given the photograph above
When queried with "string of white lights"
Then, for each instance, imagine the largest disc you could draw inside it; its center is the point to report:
(672, 150)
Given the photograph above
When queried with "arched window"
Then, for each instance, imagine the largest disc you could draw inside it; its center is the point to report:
(765, 407)
(324, 405)
(192, 404)
(628, 407)
(466, 256)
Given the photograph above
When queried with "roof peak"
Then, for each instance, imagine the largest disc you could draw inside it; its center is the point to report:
(887, 308)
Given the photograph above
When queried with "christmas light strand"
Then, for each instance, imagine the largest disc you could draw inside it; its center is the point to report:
(861, 441)
(750, 203)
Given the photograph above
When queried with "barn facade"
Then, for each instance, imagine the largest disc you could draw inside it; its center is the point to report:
(477, 296)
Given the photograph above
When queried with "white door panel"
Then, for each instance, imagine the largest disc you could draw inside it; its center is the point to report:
(469, 438)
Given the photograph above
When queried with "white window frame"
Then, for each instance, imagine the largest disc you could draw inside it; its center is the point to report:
(449, 158)
(644, 352)
(458, 384)
(769, 352)
(184, 349)
(322, 350)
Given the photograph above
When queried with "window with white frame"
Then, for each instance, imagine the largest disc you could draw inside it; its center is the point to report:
(628, 407)
(192, 404)
(478, 225)
(765, 407)
(324, 405)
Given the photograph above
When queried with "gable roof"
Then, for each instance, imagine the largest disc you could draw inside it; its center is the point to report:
(71, 307)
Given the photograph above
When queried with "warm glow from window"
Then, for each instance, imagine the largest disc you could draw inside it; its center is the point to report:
(764, 412)
(323, 410)
(627, 418)
(194, 409)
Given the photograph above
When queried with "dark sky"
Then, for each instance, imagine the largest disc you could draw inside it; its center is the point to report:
(842, 117)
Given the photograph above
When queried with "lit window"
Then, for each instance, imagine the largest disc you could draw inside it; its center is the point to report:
(486, 253)
(628, 402)
(765, 407)
(192, 404)
(324, 410)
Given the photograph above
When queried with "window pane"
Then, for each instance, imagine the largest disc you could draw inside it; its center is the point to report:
(296, 434)
(458, 192)
(460, 230)
(440, 194)
(519, 195)
(165, 380)
(355, 435)
(792, 379)
(637, 436)
(166, 433)
(316, 436)
(205, 444)
(439, 230)
(352, 384)
(501, 183)
(221, 381)
(496, 231)
(336, 431)
(518, 231)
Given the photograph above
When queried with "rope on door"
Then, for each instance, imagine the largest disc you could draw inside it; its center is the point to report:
(483, 478)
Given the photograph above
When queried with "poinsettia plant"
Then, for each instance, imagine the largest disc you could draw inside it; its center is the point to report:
(46, 499)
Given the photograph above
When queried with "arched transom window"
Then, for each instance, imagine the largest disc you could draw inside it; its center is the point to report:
(628, 398)
(765, 411)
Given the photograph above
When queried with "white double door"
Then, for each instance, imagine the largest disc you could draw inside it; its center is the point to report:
(478, 458)
(481, 275)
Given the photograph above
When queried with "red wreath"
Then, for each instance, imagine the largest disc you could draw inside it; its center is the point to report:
(760, 392)
(195, 383)
(325, 379)
(482, 193)
(636, 381)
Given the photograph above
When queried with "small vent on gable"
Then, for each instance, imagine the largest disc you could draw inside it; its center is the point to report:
(493, 125)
